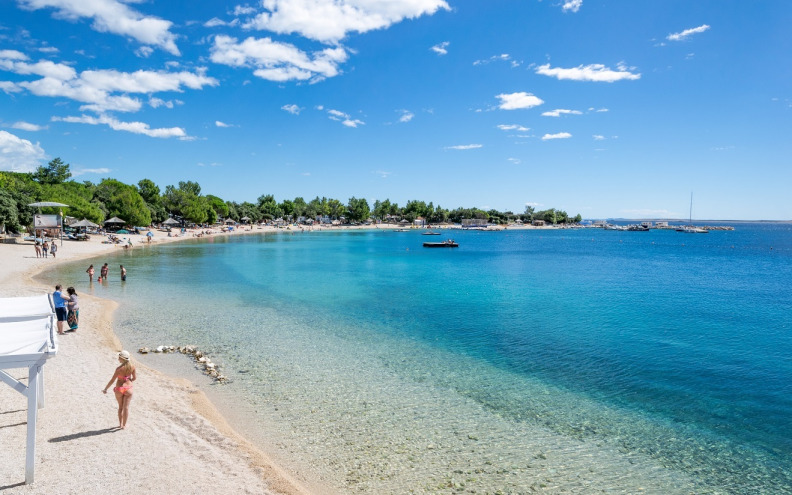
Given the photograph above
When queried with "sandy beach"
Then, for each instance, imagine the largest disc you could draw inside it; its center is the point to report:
(175, 442)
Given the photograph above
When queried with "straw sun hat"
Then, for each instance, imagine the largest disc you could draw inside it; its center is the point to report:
(124, 355)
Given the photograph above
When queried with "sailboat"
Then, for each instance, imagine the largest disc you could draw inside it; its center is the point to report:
(689, 228)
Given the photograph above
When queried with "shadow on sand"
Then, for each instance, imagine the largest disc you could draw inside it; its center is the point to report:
(84, 434)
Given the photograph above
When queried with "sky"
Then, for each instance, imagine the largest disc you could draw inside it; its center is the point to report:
(606, 108)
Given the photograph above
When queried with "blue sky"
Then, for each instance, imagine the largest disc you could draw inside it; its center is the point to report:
(603, 108)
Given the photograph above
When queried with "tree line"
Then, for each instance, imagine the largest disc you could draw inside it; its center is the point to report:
(146, 204)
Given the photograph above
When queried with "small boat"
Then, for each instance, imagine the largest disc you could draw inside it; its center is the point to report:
(447, 243)
(401, 230)
(430, 233)
(689, 228)
(638, 228)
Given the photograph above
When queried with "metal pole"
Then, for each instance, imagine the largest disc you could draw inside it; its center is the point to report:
(32, 395)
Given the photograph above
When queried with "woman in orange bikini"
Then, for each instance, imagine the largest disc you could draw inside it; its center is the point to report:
(124, 376)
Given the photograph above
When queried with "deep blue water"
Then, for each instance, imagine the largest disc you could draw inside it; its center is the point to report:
(672, 347)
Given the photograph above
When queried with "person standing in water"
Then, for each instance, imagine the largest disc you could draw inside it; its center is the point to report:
(123, 273)
(90, 272)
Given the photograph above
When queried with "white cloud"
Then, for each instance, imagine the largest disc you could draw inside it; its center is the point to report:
(215, 22)
(592, 72)
(19, 155)
(383, 173)
(561, 111)
(441, 48)
(158, 102)
(222, 124)
(503, 57)
(598, 137)
(83, 171)
(559, 135)
(277, 61)
(115, 17)
(465, 147)
(515, 161)
(572, 5)
(687, 32)
(133, 127)
(329, 21)
(292, 109)
(344, 118)
(598, 110)
(406, 116)
(144, 51)
(513, 127)
(27, 126)
(515, 101)
(534, 205)
(95, 88)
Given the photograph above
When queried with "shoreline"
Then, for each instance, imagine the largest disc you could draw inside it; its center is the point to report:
(174, 427)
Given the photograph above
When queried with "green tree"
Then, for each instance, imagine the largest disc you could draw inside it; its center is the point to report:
(358, 209)
(123, 201)
(9, 214)
(337, 208)
(219, 207)
(55, 172)
(150, 193)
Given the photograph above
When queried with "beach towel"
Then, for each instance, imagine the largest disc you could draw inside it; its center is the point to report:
(73, 318)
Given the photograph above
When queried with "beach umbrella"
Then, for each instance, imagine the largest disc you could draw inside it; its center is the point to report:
(115, 220)
(84, 223)
(49, 203)
(170, 221)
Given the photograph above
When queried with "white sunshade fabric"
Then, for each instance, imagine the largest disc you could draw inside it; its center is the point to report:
(25, 308)
(26, 337)
(26, 326)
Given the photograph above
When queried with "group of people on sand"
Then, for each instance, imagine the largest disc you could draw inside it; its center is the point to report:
(103, 272)
(67, 309)
(45, 248)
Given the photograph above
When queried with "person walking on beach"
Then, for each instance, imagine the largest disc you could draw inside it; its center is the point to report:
(124, 376)
(73, 305)
(90, 272)
(60, 307)
(123, 273)
(53, 248)
(45, 248)
(38, 249)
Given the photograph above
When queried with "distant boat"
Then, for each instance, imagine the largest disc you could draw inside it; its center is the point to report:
(689, 228)
(614, 227)
(445, 244)
(401, 230)
(638, 228)
(430, 233)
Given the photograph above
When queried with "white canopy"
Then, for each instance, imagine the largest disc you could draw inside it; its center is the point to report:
(27, 340)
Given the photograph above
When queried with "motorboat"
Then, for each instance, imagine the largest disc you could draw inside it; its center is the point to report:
(446, 243)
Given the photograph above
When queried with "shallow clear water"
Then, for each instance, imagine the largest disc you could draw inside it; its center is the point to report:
(555, 360)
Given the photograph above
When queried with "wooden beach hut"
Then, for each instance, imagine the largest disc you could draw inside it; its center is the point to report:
(27, 340)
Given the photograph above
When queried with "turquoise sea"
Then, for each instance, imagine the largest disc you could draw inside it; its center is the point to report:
(556, 361)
